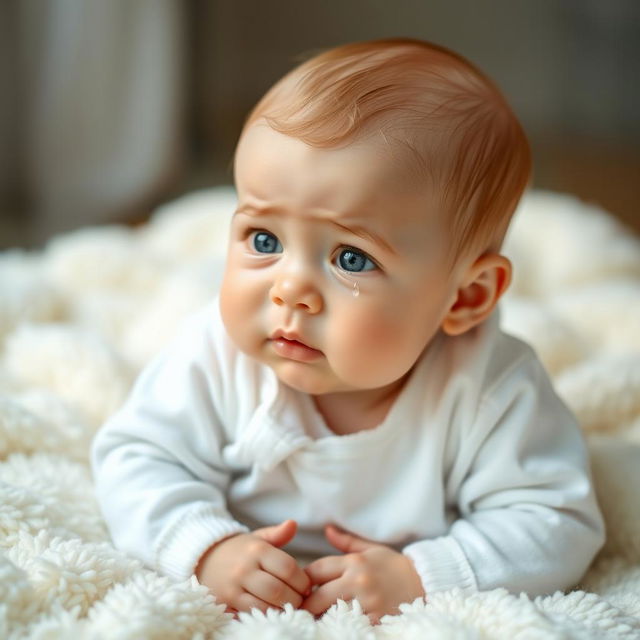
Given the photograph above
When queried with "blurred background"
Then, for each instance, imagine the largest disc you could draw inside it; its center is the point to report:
(110, 107)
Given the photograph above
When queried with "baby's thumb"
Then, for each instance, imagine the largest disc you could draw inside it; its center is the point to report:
(279, 534)
(345, 541)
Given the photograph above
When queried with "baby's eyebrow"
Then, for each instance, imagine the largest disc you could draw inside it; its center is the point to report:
(252, 210)
(357, 230)
(366, 234)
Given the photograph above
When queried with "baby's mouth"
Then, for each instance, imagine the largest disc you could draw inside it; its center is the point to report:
(287, 345)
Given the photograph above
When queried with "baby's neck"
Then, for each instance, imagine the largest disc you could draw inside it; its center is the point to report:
(352, 411)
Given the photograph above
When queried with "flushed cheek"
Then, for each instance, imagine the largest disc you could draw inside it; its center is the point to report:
(241, 302)
(373, 349)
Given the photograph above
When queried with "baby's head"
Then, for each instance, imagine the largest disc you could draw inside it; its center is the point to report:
(375, 183)
(438, 113)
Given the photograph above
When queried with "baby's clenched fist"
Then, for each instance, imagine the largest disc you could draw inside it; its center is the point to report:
(379, 577)
(250, 570)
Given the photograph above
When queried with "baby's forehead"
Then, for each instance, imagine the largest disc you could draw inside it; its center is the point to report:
(407, 159)
(377, 165)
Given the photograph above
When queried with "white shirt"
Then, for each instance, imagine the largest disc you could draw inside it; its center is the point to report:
(478, 473)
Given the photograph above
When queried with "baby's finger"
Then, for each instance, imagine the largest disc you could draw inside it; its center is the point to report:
(326, 596)
(281, 565)
(271, 590)
(325, 569)
(247, 601)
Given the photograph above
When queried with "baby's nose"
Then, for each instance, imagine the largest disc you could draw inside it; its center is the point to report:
(297, 293)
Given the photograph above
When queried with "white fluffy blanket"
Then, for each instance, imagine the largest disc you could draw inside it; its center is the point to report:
(79, 318)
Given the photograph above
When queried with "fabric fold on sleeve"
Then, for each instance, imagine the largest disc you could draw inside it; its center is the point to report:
(185, 541)
(442, 565)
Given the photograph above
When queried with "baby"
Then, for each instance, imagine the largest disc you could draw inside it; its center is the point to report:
(350, 399)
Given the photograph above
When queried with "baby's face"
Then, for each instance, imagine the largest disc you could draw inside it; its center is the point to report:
(337, 275)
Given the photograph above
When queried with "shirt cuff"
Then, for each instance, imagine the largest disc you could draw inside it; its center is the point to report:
(185, 542)
(442, 565)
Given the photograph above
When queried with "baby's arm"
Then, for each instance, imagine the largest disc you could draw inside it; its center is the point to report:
(528, 516)
(160, 469)
(159, 473)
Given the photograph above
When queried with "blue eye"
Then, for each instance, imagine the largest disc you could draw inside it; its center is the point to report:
(355, 261)
(265, 242)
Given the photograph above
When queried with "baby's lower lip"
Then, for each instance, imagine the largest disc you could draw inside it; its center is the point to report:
(294, 350)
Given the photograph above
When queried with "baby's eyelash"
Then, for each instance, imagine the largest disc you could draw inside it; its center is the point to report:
(352, 260)
(264, 242)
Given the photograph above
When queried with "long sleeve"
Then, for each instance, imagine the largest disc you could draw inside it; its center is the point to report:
(158, 463)
(527, 515)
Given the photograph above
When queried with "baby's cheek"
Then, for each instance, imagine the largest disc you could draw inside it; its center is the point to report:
(375, 348)
(231, 304)
(239, 306)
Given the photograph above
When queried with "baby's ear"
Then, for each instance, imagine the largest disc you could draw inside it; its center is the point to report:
(482, 286)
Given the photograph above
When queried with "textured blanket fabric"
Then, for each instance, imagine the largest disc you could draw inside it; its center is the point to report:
(80, 317)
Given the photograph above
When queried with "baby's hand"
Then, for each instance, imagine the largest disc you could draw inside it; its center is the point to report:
(249, 570)
(377, 575)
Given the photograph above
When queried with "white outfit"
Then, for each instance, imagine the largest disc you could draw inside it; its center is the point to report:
(478, 473)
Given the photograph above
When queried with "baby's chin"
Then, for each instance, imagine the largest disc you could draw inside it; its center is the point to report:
(316, 382)
(307, 381)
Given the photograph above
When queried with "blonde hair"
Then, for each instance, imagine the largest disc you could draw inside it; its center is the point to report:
(460, 132)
